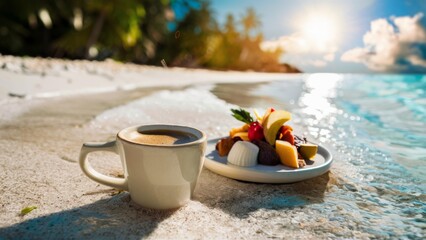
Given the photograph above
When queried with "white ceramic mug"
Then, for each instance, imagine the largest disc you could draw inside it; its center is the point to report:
(157, 176)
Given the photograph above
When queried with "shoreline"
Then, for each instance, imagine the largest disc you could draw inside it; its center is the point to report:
(43, 77)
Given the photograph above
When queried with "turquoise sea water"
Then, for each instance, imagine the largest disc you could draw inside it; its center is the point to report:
(380, 119)
(375, 125)
(392, 112)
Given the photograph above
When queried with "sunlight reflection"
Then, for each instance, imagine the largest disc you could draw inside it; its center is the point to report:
(320, 88)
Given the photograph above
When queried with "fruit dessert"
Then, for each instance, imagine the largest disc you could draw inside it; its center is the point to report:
(266, 140)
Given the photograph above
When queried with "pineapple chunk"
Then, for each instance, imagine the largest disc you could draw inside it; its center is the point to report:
(287, 153)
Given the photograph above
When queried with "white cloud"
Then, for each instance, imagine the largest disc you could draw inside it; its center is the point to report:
(410, 29)
(398, 45)
(300, 49)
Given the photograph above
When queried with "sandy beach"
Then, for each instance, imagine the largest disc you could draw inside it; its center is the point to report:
(50, 107)
(42, 133)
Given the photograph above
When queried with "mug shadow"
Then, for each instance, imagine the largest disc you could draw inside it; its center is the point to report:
(240, 198)
(113, 218)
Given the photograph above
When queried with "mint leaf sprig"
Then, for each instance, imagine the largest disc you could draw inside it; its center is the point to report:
(242, 115)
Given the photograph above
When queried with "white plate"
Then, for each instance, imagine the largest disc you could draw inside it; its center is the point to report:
(263, 173)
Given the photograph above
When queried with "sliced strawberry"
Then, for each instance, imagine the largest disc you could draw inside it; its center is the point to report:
(286, 134)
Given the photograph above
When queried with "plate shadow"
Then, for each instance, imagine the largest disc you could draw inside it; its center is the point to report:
(240, 198)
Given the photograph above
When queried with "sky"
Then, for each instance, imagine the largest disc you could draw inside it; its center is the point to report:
(361, 36)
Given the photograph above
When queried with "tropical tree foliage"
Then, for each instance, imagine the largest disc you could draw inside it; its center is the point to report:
(123, 29)
(141, 31)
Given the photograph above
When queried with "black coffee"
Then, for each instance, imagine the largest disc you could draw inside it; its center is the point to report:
(164, 137)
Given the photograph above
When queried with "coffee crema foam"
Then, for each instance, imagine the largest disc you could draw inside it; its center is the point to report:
(163, 137)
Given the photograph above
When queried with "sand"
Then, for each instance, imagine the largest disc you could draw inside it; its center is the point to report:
(38, 77)
(50, 114)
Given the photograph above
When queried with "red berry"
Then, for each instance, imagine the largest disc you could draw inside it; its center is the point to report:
(255, 131)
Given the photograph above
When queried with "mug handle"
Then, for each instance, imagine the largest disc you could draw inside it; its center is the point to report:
(86, 167)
